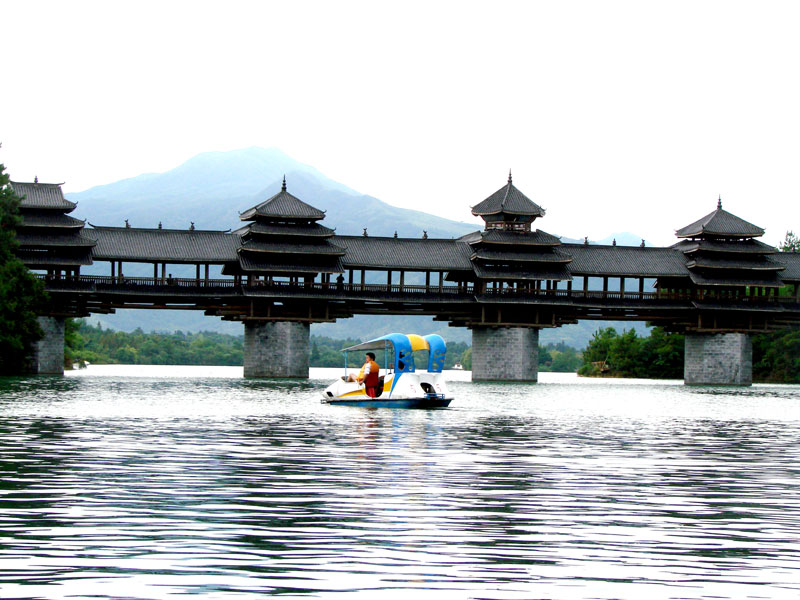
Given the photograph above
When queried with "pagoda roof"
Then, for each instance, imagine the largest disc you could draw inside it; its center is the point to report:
(164, 245)
(418, 254)
(39, 259)
(271, 247)
(747, 246)
(745, 264)
(759, 279)
(509, 200)
(551, 271)
(50, 219)
(254, 264)
(720, 223)
(283, 206)
(496, 256)
(295, 229)
(42, 195)
(517, 238)
(54, 239)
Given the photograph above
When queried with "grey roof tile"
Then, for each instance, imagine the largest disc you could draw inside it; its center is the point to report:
(412, 254)
(42, 195)
(250, 263)
(508, 199)
(50, 219)
(626, 261)
(55, 239)
(270, 247)
(555, 271)
(746, 246)
(283, 205)
(164, 245)
(720, 223)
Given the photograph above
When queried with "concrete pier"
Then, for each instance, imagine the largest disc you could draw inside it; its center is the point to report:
(48, 354)
(276, 349)
(505, 354)
(718, 359)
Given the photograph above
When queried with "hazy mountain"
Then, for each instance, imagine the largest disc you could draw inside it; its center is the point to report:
(211, 190)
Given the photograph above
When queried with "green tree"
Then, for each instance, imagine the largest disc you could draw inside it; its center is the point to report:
(791, 243)
(21, 295)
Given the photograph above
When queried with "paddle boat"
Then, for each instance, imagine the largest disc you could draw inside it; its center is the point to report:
(400, 385)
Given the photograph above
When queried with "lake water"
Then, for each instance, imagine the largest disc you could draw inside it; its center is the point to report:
(168, 482)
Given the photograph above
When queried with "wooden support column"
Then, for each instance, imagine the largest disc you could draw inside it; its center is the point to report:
(197, 275)
(207, 273)
(621, 287)
(155, 271)
(362, 279)
(350, 277)
(441, 280)
(402, 279)
(163, 272)
(605, 286)
(388, 279)
(113, 269)
(428, 280)
(641, 288)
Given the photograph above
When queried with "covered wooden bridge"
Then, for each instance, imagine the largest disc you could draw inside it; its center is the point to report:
(283, 270)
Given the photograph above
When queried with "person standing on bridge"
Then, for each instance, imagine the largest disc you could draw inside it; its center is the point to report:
(368, 375)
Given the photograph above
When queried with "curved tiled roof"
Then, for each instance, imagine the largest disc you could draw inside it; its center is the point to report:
(509, 200)
(486, 254)
(747, 246)
(312, 230)
(412, 254)
(272, 247)
(720, 223)
(756, 263)
(790, 260)
(164, 245)
(252, 264)
(626, 261)
(554, 271)
(283, 206)
(50, 219)
(42, 195)
(38, 240)
(518, 238)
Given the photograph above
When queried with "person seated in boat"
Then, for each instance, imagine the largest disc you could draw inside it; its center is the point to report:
(368, 375)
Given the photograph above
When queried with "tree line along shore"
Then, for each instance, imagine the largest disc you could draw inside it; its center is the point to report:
(659, 355)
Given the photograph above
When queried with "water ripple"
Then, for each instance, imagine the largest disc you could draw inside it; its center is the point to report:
(190, 482)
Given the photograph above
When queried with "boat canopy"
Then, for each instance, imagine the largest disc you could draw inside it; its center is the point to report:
(404, 345)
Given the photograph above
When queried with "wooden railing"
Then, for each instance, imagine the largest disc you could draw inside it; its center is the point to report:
(194, 286)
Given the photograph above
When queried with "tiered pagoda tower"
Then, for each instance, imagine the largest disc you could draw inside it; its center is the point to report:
(283, 238)
(49, 239)
(52, 242)
(722, 254)
(282, 241)
(507, 252)
(724, 260)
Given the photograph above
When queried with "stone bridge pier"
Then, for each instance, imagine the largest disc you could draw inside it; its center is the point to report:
(505, 354)
(718, 359)
(48, 352)
(276, 349)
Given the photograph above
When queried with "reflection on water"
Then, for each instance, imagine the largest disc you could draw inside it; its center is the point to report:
(157, 482)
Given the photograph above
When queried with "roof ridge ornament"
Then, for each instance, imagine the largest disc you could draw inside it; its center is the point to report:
(719, 202)
(509, 176)
(283, 185)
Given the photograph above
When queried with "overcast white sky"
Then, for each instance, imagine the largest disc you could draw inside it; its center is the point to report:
(614, 116)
